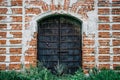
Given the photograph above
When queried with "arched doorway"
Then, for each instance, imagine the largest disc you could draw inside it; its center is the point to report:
(59, 42)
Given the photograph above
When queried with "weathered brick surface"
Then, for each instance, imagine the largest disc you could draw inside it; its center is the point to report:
(88, 66)
(16, 50)
(30, 58)
(88, 50)
(3, 26)
(15, 41)
(16, 34)
(116, 58)
(16, 26)
(116, 42)
(2, 66)
(104, 35)
(104, 58)
(3, 34)
(104, 19)
(15, 58)
(88, 42)
(116, 11)
(116, 50)
(101, 66)
(2, 50)
(104, 50)
(104, 27)
(116, 26)
(2, 42)
(16, 2)
(15, 66)
(104, 42)
(107, 37)
(16, 18)
(3, 10)
(2, 58)
(116, 34)
(17, 10)
(88, 58)
(32, 51)
(116, 18)
(32, 11)
(104, 11)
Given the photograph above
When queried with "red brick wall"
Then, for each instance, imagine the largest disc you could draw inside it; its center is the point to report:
(18, 43)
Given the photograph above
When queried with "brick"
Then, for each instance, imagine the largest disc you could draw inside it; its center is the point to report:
(115, 3)
(88, 50)
(88, 66)
(103, 3)
(2, 50)
(15, 58)
(104, 11)
(106, 66)
(104, 58)
(116, 50)
(15, 41)
(116, 26)
(3, 34)
(35, 34)
(16, 2)
(116, 18)
(2, 3)
(3, 17)
(3, 10)
(15, 66)
(103, 19)
(30, 58)
(30, 65)
(16, 18)
(16, 50)
(32, 51)
(52, 6)
(33, 42)
(88, 42)
(116, 11)
(104, 35)
(3, 26)
(16, 26)
(115, 65)
(104, 42)
(45, 7)
(104, 27)
(2, 42)
(17, 10)
(28, 18)
(104, 50)
(88, 58)
(116, 58)
(2, 58)
(66, 4)
(116, 42)
(32, 11)
(16, 34)
(116, 34)
(2, 66)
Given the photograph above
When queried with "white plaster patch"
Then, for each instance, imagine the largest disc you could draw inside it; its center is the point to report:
(72, 1)
(92, 22)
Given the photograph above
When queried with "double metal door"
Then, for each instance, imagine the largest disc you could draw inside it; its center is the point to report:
(59, 42)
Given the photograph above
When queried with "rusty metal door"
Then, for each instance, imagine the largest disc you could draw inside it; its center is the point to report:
(59, 41)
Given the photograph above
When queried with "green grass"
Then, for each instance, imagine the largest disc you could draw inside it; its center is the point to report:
(42, 73)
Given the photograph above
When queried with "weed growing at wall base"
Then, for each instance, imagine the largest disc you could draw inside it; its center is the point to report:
(44, 74)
